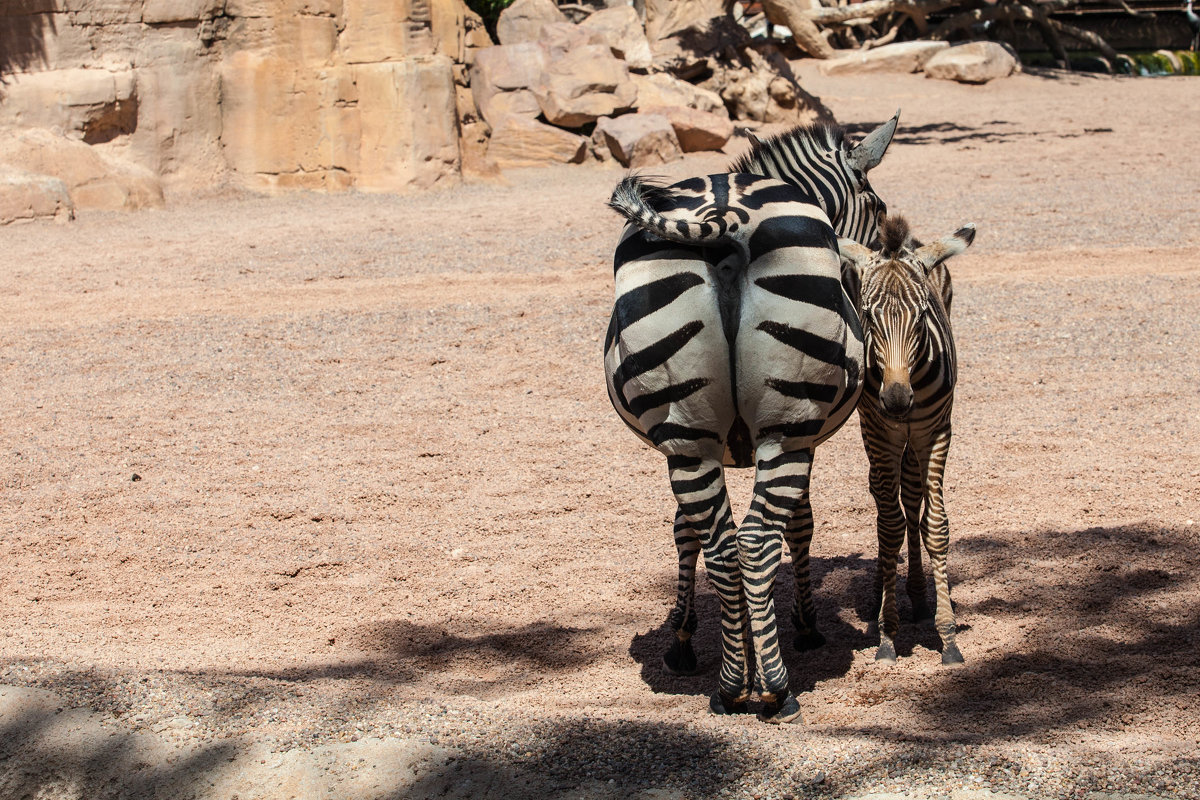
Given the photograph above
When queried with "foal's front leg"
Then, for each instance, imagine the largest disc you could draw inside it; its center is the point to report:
(890, 528)
(912, 492)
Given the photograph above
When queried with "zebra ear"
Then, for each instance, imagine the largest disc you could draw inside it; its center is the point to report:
(867, 154)
(854, 254)
(934, 253)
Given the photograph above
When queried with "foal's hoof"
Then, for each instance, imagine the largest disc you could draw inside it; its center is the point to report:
(951, 657)
(886, 654)
(680, 659)
(720, 704)
(808, 641)
(778, 712)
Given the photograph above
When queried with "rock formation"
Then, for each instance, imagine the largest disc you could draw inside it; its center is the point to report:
(262, 94)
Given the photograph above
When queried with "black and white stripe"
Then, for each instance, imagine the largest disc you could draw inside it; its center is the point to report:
(732, 342)
(905, 414)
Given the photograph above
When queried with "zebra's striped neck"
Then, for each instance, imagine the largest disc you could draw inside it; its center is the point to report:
(814, 158)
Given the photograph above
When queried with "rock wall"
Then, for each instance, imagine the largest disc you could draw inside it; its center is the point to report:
(265, 94)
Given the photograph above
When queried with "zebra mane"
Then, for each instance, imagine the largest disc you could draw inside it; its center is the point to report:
(827, 137)
(894, 234)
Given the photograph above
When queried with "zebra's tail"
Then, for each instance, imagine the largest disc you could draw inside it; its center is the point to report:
(636, 199)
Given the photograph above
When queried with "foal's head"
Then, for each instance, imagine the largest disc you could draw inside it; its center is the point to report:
(898, 303)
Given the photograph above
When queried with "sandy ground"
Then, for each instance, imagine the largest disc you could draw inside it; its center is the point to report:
(323, 497)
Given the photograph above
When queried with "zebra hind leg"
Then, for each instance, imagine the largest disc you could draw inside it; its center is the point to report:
(680, 658)
(804, 613)
(699, 486)
(912, 491)
(780, 490)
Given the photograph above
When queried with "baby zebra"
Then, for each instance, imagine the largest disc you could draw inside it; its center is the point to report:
(904, 304)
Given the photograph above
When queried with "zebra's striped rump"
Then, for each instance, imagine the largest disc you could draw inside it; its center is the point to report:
(905, 413)
(704, 345)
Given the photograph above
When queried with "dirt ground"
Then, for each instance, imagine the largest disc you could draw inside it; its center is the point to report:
(323, 496)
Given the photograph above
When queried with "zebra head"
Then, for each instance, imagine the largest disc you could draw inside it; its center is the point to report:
(900, 306)
(819, 159)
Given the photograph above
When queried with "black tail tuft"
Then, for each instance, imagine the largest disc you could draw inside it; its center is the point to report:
(635, 194)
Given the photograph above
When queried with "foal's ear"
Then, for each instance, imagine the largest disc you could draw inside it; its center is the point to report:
(934, 253)
(854, 255)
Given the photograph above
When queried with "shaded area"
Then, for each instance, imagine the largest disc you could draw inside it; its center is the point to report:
(994, 131)
(47, 751)
(24, 27)
(596, 758)
(1106, 631)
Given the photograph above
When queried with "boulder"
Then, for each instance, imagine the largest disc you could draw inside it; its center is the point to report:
(584, 85)
(521, 103)
(559, 38)
(898, 57)
(523, 20)
(25, 196)
(640, 140)
(621, 29)
(93, 179)
(505, 68)
(519, 142)
(663, 89)
(696, 130)
(975, 62)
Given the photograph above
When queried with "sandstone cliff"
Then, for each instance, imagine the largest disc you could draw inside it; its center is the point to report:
(263, 94)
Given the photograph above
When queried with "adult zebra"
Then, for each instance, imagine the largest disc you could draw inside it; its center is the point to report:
(904, 414)
(733, 343)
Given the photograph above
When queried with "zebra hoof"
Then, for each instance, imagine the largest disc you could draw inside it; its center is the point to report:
(782, 711)
(951, 656)
(721, 705)
(680, 659)
(808, 641)
(886, 654)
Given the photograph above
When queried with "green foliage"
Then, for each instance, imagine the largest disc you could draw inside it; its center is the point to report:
(490, 11)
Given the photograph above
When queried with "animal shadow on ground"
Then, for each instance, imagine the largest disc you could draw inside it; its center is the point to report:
(1094, 628)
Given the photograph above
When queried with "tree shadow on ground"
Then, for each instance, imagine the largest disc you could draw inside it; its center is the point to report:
(594, 758)
(1101, 631)
(23, 32)
(484, 664)
(1106, 634)
(46, 751)
(992, 131)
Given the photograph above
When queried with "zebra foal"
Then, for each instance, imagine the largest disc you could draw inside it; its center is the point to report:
(732, 342)
(904, 303)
